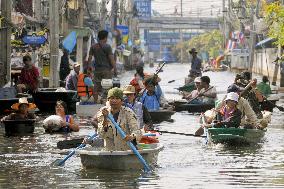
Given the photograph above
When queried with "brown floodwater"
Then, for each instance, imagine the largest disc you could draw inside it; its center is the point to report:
(185, 162)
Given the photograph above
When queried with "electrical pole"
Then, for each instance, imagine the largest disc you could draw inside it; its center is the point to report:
(181, 36)
(252, 40)
(103, 11)
(54, 43)
(5, 42)
(114, 9)
(224, 23)
(80, 22)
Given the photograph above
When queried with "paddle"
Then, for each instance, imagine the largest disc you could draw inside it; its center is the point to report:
(176, 133)
(60, 162)
(274, 105)
(200, 130)
(133, 148)
(199, 95)
(157, 71)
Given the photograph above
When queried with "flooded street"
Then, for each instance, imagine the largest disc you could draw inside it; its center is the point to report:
(185, 162)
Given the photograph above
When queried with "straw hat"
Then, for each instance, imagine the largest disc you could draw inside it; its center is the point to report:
(76, 64)
(197, 80)
(193, 50)
(129, 89)
(232, 96)
(23, 100)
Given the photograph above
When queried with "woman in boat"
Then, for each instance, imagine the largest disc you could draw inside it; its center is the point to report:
(22, 110)
(122, 115)
(138, 79)
(249, 117)
(68, 124)
(229, 115)
(143, 116)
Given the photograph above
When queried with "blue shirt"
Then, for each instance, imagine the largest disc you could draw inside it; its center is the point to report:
(152, 103)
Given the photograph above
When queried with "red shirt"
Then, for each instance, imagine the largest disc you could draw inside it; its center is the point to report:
(29, 77)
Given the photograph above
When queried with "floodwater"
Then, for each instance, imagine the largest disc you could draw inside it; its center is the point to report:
(185, 162)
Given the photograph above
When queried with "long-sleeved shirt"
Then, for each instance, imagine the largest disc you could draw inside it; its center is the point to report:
(248, 115)
(127, 121)
(152, 102)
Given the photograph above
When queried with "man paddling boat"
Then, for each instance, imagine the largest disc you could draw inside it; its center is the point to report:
(122, 115)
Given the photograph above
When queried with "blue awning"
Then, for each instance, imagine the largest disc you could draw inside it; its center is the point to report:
(266, 42)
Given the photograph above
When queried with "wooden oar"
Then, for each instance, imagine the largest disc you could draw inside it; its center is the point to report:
(199, 95)
(200, 130)
(60, 162)
(274, 105)
(176, 133)
(133, 148)
(158, 70)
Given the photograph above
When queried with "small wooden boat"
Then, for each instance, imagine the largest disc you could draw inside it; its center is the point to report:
(120, 160)
(161, 115)
(19, 127)
(46, 98)
(182, 105)
(234, 135)
(187, 88)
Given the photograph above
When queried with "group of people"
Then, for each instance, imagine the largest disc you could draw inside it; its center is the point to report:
(241, 105)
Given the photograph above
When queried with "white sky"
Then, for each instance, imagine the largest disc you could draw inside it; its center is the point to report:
(190, 7)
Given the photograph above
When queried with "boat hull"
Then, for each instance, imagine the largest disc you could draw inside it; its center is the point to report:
(235, 135)
(118, 160)
(161, 115)
(46, 99)
(191, 108)
(19, 127)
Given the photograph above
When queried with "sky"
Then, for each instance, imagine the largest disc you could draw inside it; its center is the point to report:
(190, 7)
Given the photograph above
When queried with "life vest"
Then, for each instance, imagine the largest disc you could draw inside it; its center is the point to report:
(82, 89)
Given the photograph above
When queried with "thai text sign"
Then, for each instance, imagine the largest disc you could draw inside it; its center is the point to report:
(143, 8)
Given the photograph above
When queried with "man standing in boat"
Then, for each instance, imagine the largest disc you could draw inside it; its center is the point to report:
(195, 63)
(124, 116)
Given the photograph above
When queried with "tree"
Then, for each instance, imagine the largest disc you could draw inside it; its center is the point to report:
(210, 42)
(274, 16)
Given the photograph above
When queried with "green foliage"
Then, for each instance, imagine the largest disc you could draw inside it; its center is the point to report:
(210, 42)
(274, 16)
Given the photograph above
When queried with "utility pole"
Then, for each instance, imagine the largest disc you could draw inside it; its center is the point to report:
(224, 23)
(79, 52)
(37, 9)
(103, 11)
(181, 36)
(54, 43)
(252, 40)
(114, 9)
(131, 29)
(5, 42)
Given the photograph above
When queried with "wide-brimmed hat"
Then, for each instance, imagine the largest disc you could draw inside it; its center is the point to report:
(193, 50)
(232, 96)
(23, 100)
(129, 89)
(197, 80)
(76, 64)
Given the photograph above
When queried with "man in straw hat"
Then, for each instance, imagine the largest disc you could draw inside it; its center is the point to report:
(195, 63)
(143, 116)
(122, 115)
(72, 78)
(22, 110)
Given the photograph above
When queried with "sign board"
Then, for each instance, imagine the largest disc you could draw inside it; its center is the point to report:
(143, 8)
(34, 39)
(124, 29)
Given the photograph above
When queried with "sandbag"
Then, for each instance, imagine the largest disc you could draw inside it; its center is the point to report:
(52, 123)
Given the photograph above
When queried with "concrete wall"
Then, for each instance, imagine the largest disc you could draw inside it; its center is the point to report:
(263, 59)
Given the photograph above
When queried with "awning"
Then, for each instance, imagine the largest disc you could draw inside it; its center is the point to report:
(266, 43)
